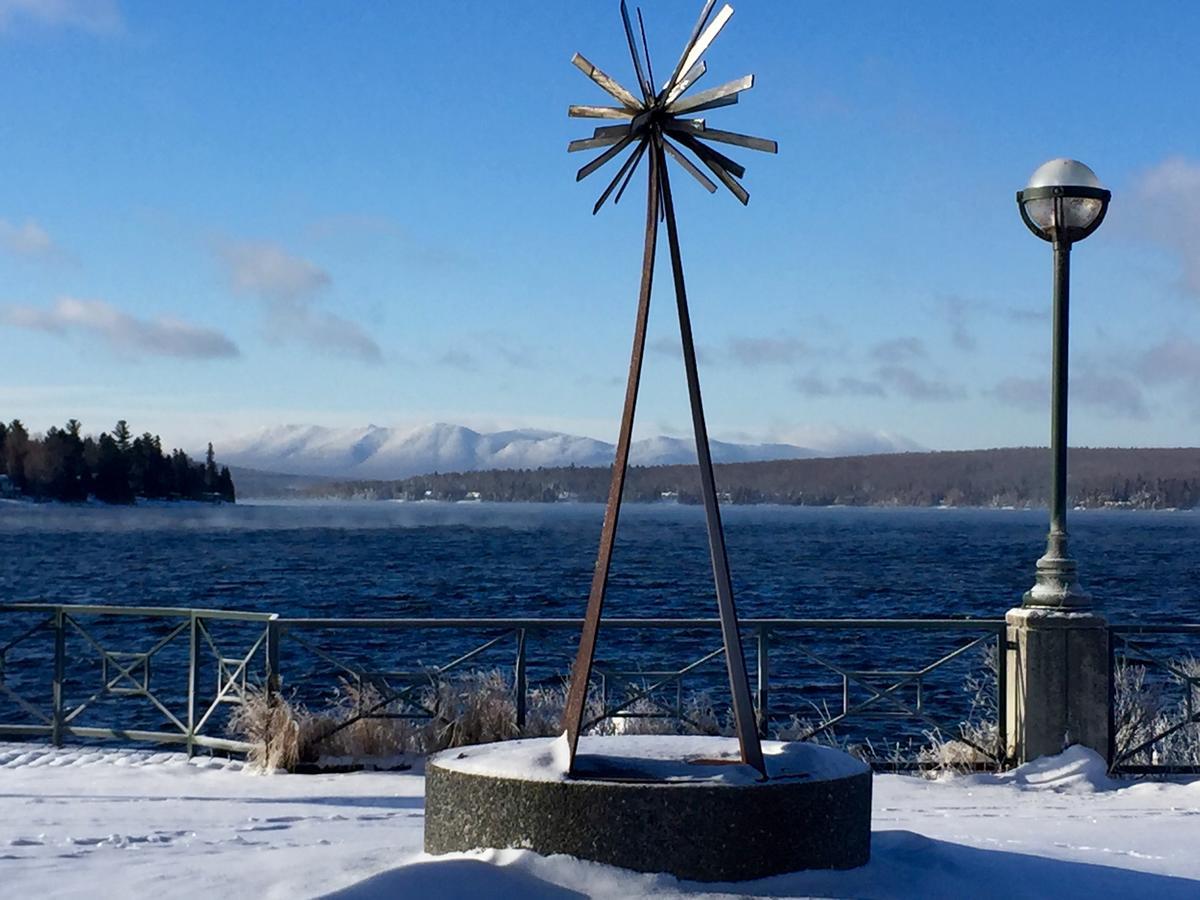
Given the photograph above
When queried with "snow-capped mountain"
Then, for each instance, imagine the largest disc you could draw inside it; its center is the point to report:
(383, 453)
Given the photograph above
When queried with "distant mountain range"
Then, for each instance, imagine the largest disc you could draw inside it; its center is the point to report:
(387, 453)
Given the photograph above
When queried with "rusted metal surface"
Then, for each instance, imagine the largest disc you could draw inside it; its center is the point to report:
(650, 118)
(743, 707)
(582, 669)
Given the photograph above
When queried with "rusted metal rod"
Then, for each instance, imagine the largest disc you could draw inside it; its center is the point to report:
(739, 685)
(582, 669)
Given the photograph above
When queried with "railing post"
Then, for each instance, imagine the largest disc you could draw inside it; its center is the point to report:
(520, 679)
(274, 679)
(60, 666)
(1113, 762)
(193, 661)
(764, 680)
(1002, 650)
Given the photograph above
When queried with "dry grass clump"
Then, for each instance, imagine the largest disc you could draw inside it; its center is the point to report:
(270, 725)
(473, 708)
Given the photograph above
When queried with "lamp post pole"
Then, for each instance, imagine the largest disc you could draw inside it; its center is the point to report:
(1063, 203)
(1056, 583)
(1057, 661)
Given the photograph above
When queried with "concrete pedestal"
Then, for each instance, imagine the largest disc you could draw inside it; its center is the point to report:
(655, 804)
(1058, 680)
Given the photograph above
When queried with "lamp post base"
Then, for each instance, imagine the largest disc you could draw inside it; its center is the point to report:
(1058, 680)
(1057, 586)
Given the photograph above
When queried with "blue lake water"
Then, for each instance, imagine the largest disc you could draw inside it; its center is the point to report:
(501, 560)
(427, 559)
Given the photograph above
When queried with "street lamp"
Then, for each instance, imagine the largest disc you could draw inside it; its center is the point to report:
(1064, 202)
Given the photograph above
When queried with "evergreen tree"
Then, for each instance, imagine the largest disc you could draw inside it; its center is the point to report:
(210, 470)
(16, 449)
(3, 455)
(111, 482)
(225, 486)
(122, 436)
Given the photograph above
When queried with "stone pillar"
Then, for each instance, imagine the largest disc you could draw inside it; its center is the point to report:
(1058, 682)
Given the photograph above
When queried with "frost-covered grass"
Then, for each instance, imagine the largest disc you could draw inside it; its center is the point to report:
(88, 823)
(479, 707)
(1146, 708)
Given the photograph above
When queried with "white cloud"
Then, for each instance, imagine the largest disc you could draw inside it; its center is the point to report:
(753, 352)
(289, 287)
(267, 270)
(912, 384)
(96, 16)
(28, 240)
(121, 331)
(1029, 394)
(1167, 207)
(1109, 393)
(814, 385)
(899, 350)
(1174, 360)
(322, 331)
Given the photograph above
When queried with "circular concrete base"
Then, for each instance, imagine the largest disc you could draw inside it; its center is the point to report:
(659, 803)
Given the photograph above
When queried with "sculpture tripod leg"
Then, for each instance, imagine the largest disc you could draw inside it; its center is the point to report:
(735, 660)
(582, 669)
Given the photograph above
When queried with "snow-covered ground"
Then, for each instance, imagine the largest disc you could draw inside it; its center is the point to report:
(119, 823)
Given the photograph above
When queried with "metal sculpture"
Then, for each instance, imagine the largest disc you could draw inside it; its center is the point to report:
(660, 125)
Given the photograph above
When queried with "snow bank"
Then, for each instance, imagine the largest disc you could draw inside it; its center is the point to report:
(1076, 770)
(83, 822)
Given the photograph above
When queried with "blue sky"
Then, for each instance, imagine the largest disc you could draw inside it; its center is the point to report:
(220, 216)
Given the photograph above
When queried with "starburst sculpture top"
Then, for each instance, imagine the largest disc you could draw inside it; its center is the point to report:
(666, 118)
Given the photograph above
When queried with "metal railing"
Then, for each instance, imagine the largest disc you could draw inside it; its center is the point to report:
(1154, 699)
(64, 641)
(163, 675)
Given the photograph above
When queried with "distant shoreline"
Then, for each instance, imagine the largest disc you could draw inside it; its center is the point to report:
(1007, 477)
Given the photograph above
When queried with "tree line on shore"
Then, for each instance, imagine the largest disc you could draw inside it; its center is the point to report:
(1009, 477)
(115, 467)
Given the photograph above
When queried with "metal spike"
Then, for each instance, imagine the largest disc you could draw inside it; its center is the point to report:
(600, 112)
(692, 76)
(764, 145)
(710, 35)
(745, 83)
(593, 142)
(606, 130)
(701, 150)
(646, 51)
(625, 172)
(731, 100)
(641, 151)
(633, 54)
(689, 167)
(704, 153)
(690, 126)
(603, 158)
(609, 84)
(687, 48)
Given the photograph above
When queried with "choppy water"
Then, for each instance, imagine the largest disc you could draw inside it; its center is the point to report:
(396, 559)
(502, 560)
